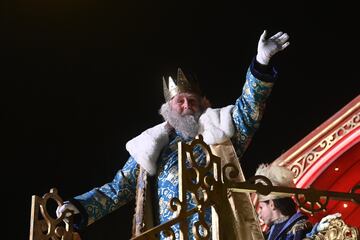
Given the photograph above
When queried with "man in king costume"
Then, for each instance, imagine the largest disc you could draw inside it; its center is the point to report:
(152, 168)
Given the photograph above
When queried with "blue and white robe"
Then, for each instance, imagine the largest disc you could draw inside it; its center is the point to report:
(156, 151)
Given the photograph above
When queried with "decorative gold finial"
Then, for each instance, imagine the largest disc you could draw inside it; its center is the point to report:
(179, 85)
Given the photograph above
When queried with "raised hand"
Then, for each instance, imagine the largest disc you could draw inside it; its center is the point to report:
(269, 47)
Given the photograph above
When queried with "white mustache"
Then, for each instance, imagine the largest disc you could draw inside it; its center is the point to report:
(187, 112)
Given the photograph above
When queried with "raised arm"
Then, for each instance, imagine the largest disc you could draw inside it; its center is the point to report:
(260, 77)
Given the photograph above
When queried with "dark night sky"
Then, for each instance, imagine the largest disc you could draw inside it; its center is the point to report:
(80, 78)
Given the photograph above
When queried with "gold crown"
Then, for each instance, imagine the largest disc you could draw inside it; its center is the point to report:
(179, 85)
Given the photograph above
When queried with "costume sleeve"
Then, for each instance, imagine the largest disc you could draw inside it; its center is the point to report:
(102, 200)
(249, 107)
(313, 231)
(299, 234)
(300, 230)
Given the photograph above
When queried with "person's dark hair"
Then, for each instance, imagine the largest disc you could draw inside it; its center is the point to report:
(286, 205)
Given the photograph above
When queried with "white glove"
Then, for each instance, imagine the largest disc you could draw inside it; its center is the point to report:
(269, 47)
(66, 206)
(325, 221)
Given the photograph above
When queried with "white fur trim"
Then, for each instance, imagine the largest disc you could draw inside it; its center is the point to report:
(216, 125)
(146, 147)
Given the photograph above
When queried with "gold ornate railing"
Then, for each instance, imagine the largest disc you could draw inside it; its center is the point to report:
(210, 191)
(207, 189)
(217, 187)
(43, 226)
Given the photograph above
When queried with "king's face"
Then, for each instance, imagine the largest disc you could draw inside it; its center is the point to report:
(185, 103)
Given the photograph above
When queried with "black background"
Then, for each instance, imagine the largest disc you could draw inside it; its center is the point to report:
(80, 78)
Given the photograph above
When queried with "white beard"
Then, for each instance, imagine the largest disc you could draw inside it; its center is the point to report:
(186, 123)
